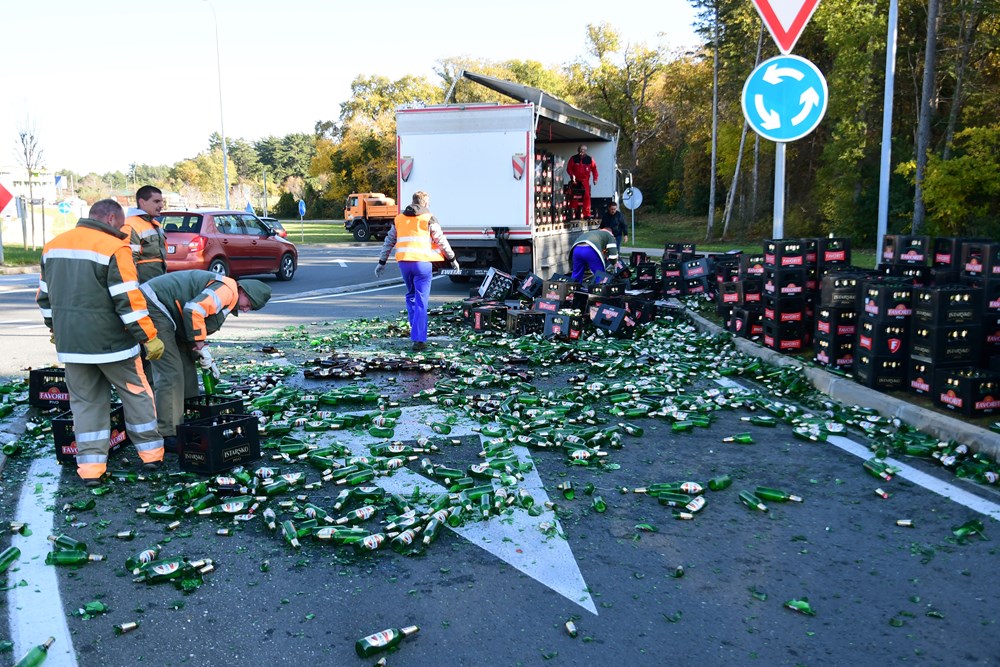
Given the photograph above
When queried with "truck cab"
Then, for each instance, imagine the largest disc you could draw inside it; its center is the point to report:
(368, 215)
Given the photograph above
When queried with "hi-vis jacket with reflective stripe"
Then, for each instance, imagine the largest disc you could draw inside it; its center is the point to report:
(602, 241)
(149, 245)
(417, 236)
(197, 301)
(89, 295)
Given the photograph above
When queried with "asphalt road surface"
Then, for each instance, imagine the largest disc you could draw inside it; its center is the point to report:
(500, 592)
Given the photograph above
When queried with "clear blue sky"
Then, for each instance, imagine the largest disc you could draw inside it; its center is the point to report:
(110, 82)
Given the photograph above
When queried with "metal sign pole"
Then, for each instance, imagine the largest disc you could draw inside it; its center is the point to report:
(778, 228)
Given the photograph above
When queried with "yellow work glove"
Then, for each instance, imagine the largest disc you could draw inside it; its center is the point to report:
(52, 337)
(154, 348)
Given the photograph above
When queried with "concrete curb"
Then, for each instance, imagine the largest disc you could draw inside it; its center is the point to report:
(17, 270)
(845, 390)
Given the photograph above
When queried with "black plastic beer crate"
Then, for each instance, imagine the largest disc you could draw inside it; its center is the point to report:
(784, 309)
(213, 445)
(886, 301)
(991, 295)
(946, 251)
(833, 251)
(809, 252)
(836, 321)
(470, 304)
(524, 322)
(971, 391)
(728, 294)
(905, 249)
(784, 253)
(991, 339)
(642, 311)
(785, 336)
(47, 388)
(943, 275)
(727, 271)
(785, 281)
(913, 274)
(752, 265)
(560, 290)
(646, 271)
(204, 406)
(695, 268)
(613, 319)
(951, 304)
(879, 372)
(65, 437)
(616, 288)
(841, 288)
(583, 301)
(834, 351)
(563, 327)
(953, 343)
(696, 287)
(672, 287)
(671, 268)
(680, 248)
(497, 285)
(921, 373)
(547, 305)
(638, 257)
(981, 260)
(487, 318)
(884, 339)
(747, 322)
(531, 286)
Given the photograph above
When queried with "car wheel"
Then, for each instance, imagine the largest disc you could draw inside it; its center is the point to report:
(218, 265)
(361, 232)
(287, 267)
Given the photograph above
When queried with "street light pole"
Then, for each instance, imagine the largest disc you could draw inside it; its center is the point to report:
(222, 121)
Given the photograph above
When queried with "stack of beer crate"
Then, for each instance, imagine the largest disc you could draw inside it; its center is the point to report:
(837, 317)
(883, 332)
(678, 280)
(743, 300)
(784, 295)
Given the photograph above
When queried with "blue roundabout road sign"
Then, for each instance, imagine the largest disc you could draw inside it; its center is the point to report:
(785, 98)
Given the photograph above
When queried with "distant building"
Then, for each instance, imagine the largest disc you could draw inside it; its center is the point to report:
(15, 179)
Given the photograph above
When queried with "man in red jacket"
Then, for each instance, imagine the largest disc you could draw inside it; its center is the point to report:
(580, 169)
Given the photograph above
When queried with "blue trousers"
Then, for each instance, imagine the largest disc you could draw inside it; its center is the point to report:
(585, 257)
(417, 276)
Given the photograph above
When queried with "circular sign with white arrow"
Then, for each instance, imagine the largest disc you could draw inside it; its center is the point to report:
(785, 98)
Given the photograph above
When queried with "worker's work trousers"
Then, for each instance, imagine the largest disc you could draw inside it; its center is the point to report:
(586, 197)
(585, 257)
(417, 276)
(174, 375)
(90, 400)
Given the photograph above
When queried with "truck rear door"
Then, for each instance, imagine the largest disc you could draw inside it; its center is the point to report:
(475, 161)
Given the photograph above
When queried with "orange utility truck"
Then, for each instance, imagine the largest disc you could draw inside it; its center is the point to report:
(368, 215)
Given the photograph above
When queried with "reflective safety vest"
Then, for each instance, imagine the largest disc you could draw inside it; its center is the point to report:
(413, 239)
(149, 246)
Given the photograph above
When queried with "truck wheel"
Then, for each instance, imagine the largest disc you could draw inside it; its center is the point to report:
(361, 232)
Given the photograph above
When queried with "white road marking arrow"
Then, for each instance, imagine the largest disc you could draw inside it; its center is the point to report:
(770, 120)
(775, 75)
(808, 100)
(516, 538)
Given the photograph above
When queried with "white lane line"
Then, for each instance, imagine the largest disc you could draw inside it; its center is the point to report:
(36, 610)
(333, 296)
(929, 482)
(32, 326)
(24, 289)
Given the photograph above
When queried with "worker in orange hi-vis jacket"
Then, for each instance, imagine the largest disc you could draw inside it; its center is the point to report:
(89, 296)
(187, 307)
(581, 168)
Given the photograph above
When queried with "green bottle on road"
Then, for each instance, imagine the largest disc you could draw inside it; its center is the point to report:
(380, 641)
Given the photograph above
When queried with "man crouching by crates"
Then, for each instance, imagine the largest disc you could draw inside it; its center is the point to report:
(187, 307)
(89, 296)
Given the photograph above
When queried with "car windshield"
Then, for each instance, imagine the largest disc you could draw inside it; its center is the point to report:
(181, 222)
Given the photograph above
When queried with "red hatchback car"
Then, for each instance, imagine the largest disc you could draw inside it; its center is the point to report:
(233, 243)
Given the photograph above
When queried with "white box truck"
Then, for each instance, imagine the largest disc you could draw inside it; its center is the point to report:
(496, 176)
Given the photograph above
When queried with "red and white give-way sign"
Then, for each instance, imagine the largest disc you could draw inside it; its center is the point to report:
(785, 19)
